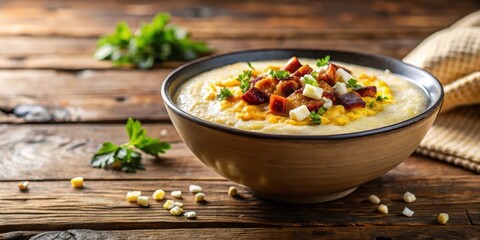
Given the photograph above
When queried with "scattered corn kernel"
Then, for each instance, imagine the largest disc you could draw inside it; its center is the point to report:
(177, 194)
(190, 214)
(195, 189)
(77, 182)
(383, 208)
(374, 199)
(232, 191)
(142, 200)
(176, 211)
(409, 197)
(408, 212)
(442, 218)
(199, 197)
(133, 195)
(23, 185)
(169, 204)
(158, 194)
(178, 204)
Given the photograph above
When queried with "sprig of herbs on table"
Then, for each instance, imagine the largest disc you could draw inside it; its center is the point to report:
(127, 157)
(154, 42)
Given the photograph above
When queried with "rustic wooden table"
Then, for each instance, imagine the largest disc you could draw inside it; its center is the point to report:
(46, 60)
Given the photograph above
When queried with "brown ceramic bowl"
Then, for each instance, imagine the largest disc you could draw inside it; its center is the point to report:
(301, 168)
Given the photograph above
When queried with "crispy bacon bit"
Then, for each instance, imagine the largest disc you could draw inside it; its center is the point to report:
(332, 71)
(368, 91)
(350, 100)
(303, 70)
(278, 104)
(255, 97)
(292, 65)
(285, 88)
(267, 85)
(297, 99)
(325, 78)
(328, 91)
(255, 80)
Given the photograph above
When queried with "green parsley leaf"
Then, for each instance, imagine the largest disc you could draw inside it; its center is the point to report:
(322, 110)
(310, 80)
(279, 74)
(314, 74)
(244, 80)
(154, 42)
(250, 65)
(381, 98)
(316, 116)
(323, 61)
(125, 156)
(352, 83)
(371, 104)
(224, 93)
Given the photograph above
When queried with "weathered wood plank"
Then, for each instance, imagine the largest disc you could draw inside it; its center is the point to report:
(54, 205)
(326, 19)
(84, 95)
(77, 53)
(60, 152)
(370, 232)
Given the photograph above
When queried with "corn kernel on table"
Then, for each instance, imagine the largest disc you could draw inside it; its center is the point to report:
(57, 104)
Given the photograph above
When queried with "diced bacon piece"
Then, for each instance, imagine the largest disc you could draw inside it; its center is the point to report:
(255, 80)
(350, 100)
(328, 91)
(368, 91)
(292, 65)
(285, 88)
(278, 104)
(255, 97)
(332, 71)
(267, 85)
(303, 70)
(325, 78)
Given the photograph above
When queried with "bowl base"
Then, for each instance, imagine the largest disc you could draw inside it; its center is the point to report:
(308, 199)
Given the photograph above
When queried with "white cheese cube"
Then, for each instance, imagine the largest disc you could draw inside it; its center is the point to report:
(322, 69)
(312, 92)
(343, 75)
(327, 103)
(340, 88)
(409, 197)
(195, 189)
(408, 212)
(299, 113)
(199, 197)
(190, 215)
(177, 194)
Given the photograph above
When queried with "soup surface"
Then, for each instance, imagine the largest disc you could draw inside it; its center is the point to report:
(300, 96)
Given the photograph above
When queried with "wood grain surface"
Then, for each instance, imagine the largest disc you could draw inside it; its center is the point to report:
(46, 67)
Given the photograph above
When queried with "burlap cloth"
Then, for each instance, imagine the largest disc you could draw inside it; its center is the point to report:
(453, 56)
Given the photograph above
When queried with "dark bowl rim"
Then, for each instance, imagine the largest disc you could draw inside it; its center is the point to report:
(246, 133)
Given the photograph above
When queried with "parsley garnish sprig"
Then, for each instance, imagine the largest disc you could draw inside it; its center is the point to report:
(126, 156)
(310, 80)
(316, 116)
(244, 79)
(352, 83)
(224, 94)
(154, 42)
(279, 74)
(323, 61)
